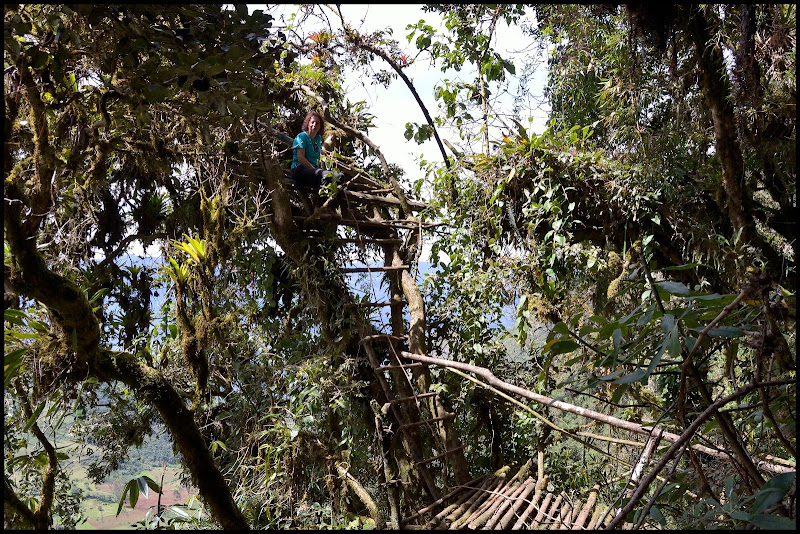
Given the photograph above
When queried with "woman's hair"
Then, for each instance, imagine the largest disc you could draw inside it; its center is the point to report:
(320, 120)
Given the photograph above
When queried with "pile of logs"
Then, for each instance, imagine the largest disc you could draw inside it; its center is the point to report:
(520, 503)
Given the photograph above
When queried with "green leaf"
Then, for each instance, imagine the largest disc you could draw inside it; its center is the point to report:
(142, 487)
(563, 346)
(726, 331)
(673, 288)
(773, 491)
(122, 498)
(134, 496)
(35, 416)
(560, 328)
(630, 378)
(773, 522)
(14, 316)
(11, 364)
(608, 329)
(656, 514)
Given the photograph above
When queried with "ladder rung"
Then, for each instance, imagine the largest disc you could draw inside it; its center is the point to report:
(406, 366)
(425, 422)
(345, 222)
(382, 336)
(371, 269)
(386, 241)
(445, 453)
(413, 397)
(375, 304)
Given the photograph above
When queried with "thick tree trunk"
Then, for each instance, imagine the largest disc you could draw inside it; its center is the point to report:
(717, 95)
(417, 343)
(80, 349)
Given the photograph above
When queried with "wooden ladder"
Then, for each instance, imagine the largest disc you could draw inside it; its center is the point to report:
(407, 419)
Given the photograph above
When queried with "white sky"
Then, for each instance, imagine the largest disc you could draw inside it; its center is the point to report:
(394, 106)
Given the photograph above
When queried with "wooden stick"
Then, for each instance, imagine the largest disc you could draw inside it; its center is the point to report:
(392, 367)
(491, 504)
(554, 515)
(548, 503)
(475, 481)
(590, 502)
(597, 516)
(530, 486)
(354, 195)
(506, 504)
(562, 520)
(373, 269)
(413, 397)
(477, 502)
(374, 304)
(450, 512)
(426, 421)
(443, 455)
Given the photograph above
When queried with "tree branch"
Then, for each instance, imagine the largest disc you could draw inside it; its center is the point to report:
(354, 38)
(684, 438)
(584, 412)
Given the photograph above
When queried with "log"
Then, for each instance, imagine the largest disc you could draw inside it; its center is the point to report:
(564, 517)
(449, 512)
(597, 516)
(413, 397)
(548, 503)
(587, 508)
(465, 495)
(426, 421)
(554, 515)
(492, 504)
(476, 502)
(571, 408)
(439, 457)
(391, 201)
(521, 501)
(507, 504)
(347, 270)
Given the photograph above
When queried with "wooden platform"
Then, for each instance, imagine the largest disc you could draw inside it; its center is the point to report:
(496, 503)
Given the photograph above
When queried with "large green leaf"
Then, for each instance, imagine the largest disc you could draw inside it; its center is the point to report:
(773, 491)
(673, 288)
(563, 346)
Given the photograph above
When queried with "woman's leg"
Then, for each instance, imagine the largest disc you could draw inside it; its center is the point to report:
(308, 177)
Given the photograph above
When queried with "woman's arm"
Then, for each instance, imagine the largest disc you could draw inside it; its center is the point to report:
(301, 157)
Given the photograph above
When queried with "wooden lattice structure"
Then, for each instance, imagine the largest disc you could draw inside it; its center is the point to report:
(495, 503)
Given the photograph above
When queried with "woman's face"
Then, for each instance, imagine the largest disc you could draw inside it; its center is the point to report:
(313, 126)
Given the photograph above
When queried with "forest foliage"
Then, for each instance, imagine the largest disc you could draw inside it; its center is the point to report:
(645, 240)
